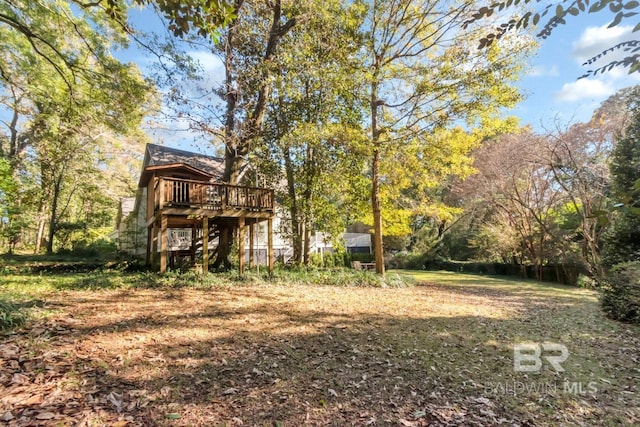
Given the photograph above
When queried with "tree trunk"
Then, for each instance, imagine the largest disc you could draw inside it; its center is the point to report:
(40, 234)
(296, 229)
(225, 242)
(238, 146)
(307, 241)
(53, 220)
(378, 249)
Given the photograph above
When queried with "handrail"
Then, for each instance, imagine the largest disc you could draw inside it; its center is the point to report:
(188, 193)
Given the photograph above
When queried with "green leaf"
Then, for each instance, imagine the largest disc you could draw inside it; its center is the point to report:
(536, 19)
(172, 416)
(615, 7)
(602, 221)
(634, 210)
(559, 11)
(598, 213)
(616, 20)
(631, 5)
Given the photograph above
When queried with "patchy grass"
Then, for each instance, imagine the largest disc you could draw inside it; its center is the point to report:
(10, 315)
(142, 350)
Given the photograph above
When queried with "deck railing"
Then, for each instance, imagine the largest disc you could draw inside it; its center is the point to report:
(185, 193)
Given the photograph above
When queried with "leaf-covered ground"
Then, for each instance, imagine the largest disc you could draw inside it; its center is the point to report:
(439, 353)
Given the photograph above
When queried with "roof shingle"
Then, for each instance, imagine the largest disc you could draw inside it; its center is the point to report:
(159, 155)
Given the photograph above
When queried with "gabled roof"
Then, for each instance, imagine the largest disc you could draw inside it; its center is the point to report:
(159, 157)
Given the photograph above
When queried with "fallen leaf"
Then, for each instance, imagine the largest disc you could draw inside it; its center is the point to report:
(483, 400)
(36, 399)
(116, 400)
(45, 416)
(19, 379)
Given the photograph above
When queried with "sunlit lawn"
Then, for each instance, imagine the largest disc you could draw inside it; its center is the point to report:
(103, 351)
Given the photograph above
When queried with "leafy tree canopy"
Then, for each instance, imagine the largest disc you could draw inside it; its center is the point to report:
(556, 14)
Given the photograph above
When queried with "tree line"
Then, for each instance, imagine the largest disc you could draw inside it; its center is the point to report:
(382, 112)
(545, 198)
(70, 115)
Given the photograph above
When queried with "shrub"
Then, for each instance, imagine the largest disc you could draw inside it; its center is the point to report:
(362, 257)
(621, 242)
(621, 292)
(10, 315)
(408, 261)
(587, 282)
(96, 248)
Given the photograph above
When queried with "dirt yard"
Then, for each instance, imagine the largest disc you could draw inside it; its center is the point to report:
(440, 353)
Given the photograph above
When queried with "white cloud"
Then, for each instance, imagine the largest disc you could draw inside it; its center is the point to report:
(594, 40)
(541, 71)
(584, 89)
(622, 73)
(208, 61)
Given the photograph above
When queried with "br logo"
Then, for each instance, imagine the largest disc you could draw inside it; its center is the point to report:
(527, 357)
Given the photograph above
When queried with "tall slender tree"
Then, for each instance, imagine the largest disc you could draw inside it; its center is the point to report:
(311, 132)
(249, 47)
(622, 240)
(59, 88)
(424, 75)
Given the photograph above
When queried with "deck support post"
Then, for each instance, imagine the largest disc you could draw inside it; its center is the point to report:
(270, 244)
(205, 245)
(192, 254)
(251, 245)
(149, 242)
(241, 245)
(154, 244)
(163, 243)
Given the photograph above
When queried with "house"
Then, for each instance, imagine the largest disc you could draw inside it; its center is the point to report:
(127, 227)
(180, 199)
(181, 205)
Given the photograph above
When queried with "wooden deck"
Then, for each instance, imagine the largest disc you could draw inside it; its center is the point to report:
(188, 203)
(176, 196)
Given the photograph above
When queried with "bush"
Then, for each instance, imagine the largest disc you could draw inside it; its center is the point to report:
(587, 282)
(621, 242)
(408, 261)
(10, 315)
(362, 257)
(343, 277)
(96, 248)
(621, 292)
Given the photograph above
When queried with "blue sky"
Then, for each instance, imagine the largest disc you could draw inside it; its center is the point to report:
(552, 88)
(554, 94)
